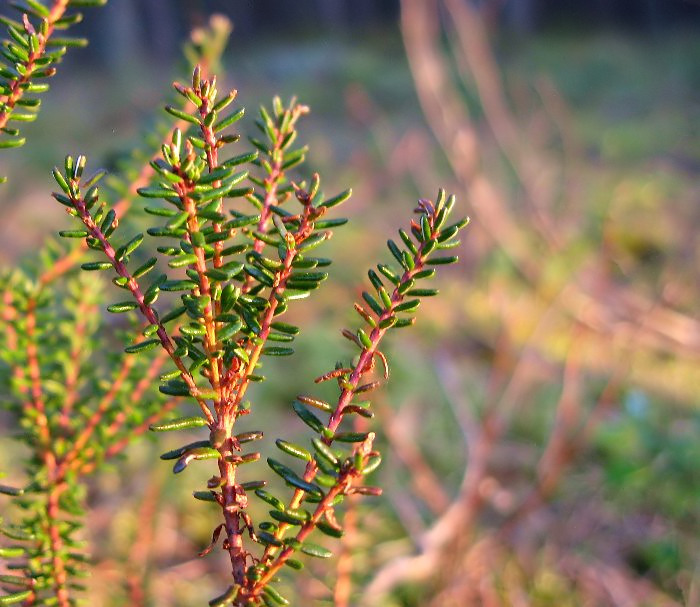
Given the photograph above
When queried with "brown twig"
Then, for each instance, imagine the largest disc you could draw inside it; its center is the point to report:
(510, 378)
(133, 286)
(424, 481)
(592, 299)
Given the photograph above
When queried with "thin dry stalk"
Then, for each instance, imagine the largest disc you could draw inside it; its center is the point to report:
(592, 299)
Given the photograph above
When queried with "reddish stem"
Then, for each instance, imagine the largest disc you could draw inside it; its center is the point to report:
(9, 100)
(58, 572)
(97, 415)
(344, 399)
(146, 310)
(233, 499)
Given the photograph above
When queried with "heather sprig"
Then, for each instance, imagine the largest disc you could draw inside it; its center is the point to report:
(241, 239)
(73, 407)
(76, 401)
(339, 458)
(240, 269)
(236, 270)
(29, 56)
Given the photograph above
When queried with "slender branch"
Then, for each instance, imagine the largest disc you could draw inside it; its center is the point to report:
(212, 144)
(343, 586)
(83, 313)
(9, 100)
(325, 504)
(69, 261)
(146, 310)
(86, 433)
(36, 391)
(58, 573)
(350, 387)
(255, 349)
(275, 172)
(233, 499)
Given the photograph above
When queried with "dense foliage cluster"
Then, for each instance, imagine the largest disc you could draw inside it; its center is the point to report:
(235, 245)
(29, 57)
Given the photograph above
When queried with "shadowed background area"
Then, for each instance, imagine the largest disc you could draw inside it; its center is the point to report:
(541, 426)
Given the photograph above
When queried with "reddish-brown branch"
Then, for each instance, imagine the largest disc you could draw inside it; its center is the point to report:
(9, 100)
(146, 310)
(280, 282)
(232, 496)
(68, 262)
(276, 174)
(305, 530)
(58, 573)
(254, 351)
(363, 365)
(205, 290)
(98, 414)
(274, 179)
(73, 376)
(37, 397)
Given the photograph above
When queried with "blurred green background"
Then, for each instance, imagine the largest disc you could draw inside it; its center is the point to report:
(541, 425)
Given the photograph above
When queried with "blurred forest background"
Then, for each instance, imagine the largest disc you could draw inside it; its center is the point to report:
(542, 425)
